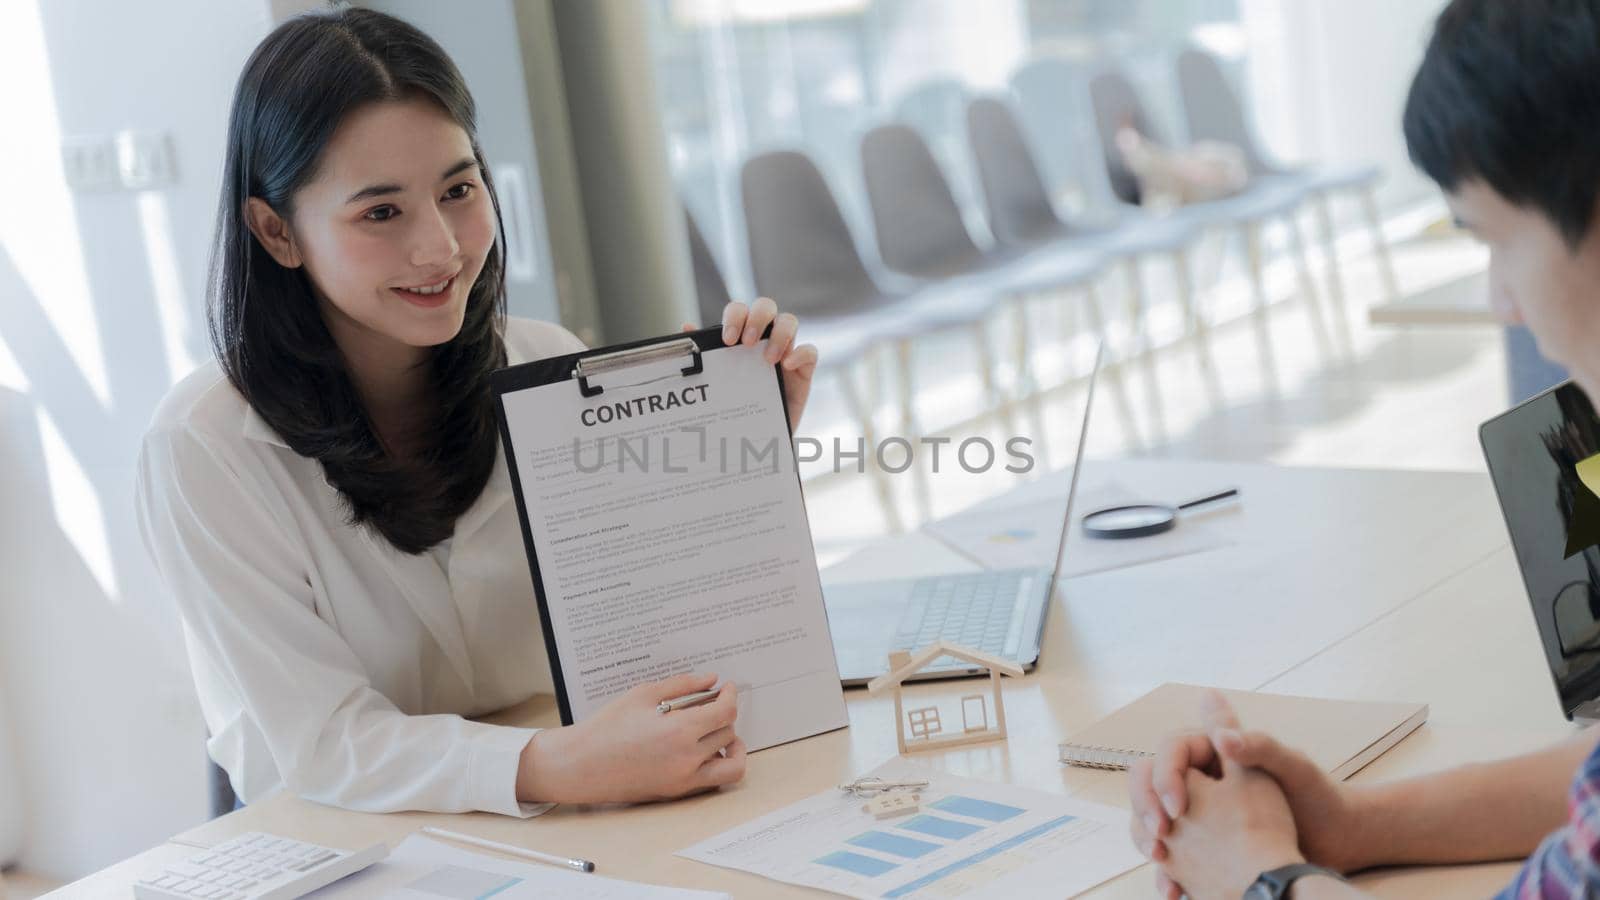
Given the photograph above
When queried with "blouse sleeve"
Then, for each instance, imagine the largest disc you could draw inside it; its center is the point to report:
(234, 564)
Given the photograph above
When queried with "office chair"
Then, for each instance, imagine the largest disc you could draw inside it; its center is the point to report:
(920, 233)
(936, 109)
(1116, 104)
(1213, 111)
(1021, 214)
(803, 255)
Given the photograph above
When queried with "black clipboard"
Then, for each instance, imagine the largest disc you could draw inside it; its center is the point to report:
(580, 368)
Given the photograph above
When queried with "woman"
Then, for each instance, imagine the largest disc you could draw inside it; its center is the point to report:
(327, 501)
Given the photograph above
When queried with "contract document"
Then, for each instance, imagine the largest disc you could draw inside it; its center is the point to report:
(666, 530)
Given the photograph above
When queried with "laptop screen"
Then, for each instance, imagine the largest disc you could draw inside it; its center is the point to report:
(1544, 457)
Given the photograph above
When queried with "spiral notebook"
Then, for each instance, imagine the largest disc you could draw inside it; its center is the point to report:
(1342, 736)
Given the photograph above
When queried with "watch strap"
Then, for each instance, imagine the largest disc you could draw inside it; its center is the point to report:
(1278, 881)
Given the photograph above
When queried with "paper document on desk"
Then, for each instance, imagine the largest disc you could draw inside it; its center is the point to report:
(1000, 535)
(969, 839)
(425, 869)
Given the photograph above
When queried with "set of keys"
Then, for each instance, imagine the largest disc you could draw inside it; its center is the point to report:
(870, 786)
(886, 799)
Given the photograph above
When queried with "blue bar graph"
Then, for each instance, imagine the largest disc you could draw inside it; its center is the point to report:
(949, 829)
(893, 844)
(855, 862)
(978, 809)
(981, 856)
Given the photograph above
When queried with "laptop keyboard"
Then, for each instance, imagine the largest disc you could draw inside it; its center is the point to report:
(983, 610)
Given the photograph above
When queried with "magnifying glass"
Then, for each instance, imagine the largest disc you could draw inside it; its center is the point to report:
(1142, 519)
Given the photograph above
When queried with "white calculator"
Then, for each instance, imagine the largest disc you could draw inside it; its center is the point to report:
(255, 866)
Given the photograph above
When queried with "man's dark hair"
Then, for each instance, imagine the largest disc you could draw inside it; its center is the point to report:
(1509, 93)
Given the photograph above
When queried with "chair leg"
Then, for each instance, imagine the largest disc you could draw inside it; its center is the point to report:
(1308, 285)
(1028, 388)
(910, 429)
(1380, 245)
(1195, 322)
(1139, 332)
(1330, 249)
(999, 404)
(1259, 315)
(1112, 370)
(1026, 381)
(869, 436)
(906, 387)
(1146, 351)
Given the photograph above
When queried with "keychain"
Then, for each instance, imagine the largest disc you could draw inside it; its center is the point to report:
(871, 786)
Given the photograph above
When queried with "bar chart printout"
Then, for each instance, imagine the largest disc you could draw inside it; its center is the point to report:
(970, 839)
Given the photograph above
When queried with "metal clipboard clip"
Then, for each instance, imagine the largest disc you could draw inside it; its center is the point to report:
(600, 364)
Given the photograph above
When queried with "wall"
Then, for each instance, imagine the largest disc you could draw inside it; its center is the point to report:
(1329, 79)
(100, 312)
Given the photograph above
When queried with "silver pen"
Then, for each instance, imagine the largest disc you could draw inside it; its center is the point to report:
(687, 700)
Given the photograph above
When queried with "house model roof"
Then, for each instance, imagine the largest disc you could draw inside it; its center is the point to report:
(932, 652)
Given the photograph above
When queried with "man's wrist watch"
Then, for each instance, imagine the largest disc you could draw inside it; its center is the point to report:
(1274, 884)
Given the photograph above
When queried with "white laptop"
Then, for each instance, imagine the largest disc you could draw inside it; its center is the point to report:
(998, 611)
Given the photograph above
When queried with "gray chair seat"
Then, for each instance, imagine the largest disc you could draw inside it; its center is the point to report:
(803, 256)
(1075, 260)
(1265, 198)
(1213, 111)
(842, 338)
(1021, 213)
(1335, 177)
(1135, 232)
(921, 233)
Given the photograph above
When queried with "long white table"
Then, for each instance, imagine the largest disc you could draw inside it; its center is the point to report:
(1339, 583)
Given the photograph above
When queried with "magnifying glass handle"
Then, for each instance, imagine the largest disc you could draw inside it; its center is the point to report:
(1230, 492)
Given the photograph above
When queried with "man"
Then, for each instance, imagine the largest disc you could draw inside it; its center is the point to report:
(1504, 114)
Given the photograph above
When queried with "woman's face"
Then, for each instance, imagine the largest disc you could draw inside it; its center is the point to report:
(394, 228)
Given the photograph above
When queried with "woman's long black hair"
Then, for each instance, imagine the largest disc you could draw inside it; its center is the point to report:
(266, 326)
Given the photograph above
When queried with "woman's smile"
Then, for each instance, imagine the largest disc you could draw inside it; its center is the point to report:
(431, 294)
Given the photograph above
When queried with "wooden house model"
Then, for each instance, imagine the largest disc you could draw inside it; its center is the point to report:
(926, 728)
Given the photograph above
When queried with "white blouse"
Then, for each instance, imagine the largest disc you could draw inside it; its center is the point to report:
(328, 662)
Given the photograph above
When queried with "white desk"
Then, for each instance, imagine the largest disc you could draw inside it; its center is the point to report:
(1336, 586)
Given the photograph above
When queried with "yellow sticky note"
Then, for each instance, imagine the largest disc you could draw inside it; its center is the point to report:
(1589, 474)
(1583, 518)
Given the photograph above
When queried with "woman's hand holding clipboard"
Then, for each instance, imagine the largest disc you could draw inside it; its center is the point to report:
(628, 575)
(743, 324)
